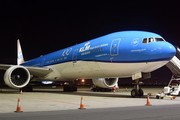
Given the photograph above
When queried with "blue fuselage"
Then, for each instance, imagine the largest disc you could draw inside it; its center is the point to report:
(118, 47)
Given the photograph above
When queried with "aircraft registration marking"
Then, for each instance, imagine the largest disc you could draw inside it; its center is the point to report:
(101, 55)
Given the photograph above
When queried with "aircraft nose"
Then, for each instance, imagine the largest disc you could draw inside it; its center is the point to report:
(168, 51)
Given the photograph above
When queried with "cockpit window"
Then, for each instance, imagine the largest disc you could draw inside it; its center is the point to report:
(159, 39)
(152, 39)
(144, 40)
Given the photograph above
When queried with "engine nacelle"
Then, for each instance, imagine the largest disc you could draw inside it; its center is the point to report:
(105, 82)
(17, 77)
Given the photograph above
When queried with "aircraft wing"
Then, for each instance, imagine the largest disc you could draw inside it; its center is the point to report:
(4, 66)
(36, 71)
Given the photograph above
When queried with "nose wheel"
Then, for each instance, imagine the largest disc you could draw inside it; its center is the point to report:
(137, 92)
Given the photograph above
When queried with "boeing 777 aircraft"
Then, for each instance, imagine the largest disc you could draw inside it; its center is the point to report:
(105, 59)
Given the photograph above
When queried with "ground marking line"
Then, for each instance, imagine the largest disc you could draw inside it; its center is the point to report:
(60, 101)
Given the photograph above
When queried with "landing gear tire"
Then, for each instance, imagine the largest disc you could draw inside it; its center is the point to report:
(69, 88)
(74, 88)
(94, 89)
(157, 97)
(141, 93)
(136, 93)
(27, 89)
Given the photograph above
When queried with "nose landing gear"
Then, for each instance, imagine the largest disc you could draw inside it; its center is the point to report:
(137, 92)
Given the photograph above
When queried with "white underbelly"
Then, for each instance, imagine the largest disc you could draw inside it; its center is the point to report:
(89, 69)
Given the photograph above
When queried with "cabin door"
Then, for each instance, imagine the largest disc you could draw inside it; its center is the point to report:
(43, 62)
(114, 47)
(74, 57)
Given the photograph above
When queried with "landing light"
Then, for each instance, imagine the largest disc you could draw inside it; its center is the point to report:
(82, 80)
(47, 82)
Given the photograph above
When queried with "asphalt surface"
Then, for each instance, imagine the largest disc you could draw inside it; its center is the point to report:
(55, 104)
(165, 112)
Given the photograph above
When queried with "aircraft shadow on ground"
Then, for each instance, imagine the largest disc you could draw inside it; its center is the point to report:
(79, 93)
(90, 93)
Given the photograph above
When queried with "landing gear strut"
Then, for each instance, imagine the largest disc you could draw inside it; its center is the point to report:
(137, 92)
(27, 89)
(71, 87)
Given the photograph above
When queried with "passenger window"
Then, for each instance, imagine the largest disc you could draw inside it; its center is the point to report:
(144, 40)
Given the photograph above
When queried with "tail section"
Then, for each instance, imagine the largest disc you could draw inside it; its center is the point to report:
(20, 58)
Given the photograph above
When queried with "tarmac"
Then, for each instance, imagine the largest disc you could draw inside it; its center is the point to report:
(54, 99)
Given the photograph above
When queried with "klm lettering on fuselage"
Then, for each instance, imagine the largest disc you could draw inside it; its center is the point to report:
(85, 48)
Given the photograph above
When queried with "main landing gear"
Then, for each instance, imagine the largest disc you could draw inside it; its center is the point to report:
(70, 88)
(137, 92)
(28, 88)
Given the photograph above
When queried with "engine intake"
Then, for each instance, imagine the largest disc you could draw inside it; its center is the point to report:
(105, 82)
(17, 77)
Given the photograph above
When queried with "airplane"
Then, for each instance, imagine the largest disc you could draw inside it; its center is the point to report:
(104, 59)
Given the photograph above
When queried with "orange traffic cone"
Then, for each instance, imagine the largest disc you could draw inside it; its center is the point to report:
(174, 97)
(81, 104)
(114, 88)
(18, 106)
(21, 91)
(148, 103)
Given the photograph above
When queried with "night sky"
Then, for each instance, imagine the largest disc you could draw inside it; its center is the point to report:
(47, 26)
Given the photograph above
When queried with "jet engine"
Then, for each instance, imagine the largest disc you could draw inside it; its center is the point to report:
(105, 82)
(17, 77)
